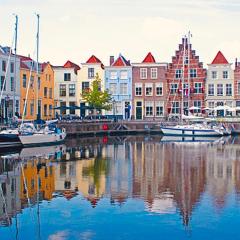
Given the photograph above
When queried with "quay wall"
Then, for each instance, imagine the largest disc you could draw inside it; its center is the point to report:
(124, 127)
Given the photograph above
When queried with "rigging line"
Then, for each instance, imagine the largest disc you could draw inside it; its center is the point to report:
(174, 79)
(6, 70)
(28, 86)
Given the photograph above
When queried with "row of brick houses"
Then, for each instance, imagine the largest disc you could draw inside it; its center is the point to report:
(147, 90)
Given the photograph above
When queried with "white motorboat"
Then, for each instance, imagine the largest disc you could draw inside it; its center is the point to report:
(42, 137)
(193, 130)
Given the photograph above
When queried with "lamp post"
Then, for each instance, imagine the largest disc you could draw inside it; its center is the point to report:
(114, 105)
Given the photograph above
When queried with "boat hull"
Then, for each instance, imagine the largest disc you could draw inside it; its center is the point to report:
(9, 140)
(190, 132)
(42, 139)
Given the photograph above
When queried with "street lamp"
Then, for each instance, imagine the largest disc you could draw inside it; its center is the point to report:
(114, 113)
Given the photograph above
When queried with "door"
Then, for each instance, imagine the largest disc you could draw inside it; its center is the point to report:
(139, 111)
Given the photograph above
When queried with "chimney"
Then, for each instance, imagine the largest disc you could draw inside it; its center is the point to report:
(111, 60)
(236, 63)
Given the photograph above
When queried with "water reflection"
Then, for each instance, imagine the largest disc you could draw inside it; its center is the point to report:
(170, 178)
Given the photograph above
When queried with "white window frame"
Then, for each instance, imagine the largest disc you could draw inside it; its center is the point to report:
(149, 109)
(113, 75)
(159, 85)
(124, 75)
(218, 87)
(211, 87)
(154, 73)
(143, 73)
(138, 86)
(159, 104)
(149, 86)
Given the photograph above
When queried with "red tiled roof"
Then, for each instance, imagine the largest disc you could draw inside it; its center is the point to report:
(23, 65)
(93, 59)
(121, 62)
(219, 59)
(24, 58)
(149, 58)
(70, 64)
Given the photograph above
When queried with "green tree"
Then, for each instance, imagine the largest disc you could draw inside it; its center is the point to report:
(96, 98)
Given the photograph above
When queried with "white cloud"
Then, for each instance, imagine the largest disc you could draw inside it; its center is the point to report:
(61, 235)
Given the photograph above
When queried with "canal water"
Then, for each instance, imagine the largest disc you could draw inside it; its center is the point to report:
(142, 187)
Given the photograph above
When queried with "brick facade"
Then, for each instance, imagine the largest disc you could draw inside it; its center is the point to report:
(149, 89)
(193, 95)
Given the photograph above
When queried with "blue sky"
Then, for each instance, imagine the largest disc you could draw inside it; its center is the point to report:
(75, 29)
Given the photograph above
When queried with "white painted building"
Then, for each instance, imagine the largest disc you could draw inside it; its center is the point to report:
(12, 73)
(220, 87)
(66, 90)
(86, 76)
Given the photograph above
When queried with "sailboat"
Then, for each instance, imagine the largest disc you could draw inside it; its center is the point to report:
(197, 129)
(29, 135)
(9, 136)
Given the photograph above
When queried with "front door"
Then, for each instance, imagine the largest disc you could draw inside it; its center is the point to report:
(139, 111)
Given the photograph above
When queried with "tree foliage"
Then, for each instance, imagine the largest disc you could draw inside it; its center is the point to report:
(95, 97)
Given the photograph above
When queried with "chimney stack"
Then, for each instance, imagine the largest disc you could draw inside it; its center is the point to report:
(236, 63)
(111, 61)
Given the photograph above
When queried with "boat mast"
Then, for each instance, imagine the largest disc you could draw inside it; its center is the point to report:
(15, 64)
(188, 95)
(38, 16)
(183, 63)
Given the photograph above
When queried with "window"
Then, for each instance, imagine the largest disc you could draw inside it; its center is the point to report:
(113, 88)
(197, 104)
(32, 108)
(143, 73)
(12, 67)
(159, 89)
(63, 104)
(186, 60)
(72, 110)
(148, 90)
(12, 84)
(153, 73)
(214, 74)
(17, 106)
(4, 66)
(31, 81)
(220, 89)
(225, 74)
(67, 76)
(113, 75)
(45, 110)
(39, 83)
(124, 88)
(198, 88)
(159, 109)
(24, 80)
(50, 110)
(2, 83)
(193, 73)
(211, 89)
(175, 107)
(178, 73)
(91, 73)
(149, 108)
(228, 89)
(185, 89)
(71, 89)
(138, 89)
(124, 75)
(45, 92)
(50, 93)
(62, 90)
(238, 87)
(85, 85)
(173, 88)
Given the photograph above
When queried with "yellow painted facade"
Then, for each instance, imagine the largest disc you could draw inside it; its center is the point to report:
(44, 93)
(44, 180)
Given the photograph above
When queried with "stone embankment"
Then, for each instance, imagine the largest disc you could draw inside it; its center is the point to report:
(123, 127)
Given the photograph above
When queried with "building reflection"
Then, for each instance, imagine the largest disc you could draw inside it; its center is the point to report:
(169, 177)
(10, 203)
(82, 169)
